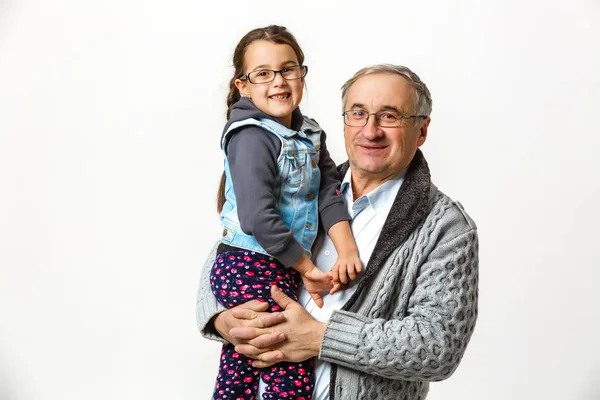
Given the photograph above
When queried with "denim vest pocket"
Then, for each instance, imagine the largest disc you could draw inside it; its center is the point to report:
(229, 232)
(295, 174)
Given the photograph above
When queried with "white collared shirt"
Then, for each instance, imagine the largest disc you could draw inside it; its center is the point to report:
(368, 214)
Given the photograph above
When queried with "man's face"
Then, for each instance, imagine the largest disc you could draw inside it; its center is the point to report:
(376, 153)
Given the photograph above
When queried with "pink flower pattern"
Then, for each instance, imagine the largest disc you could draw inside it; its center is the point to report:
(240, 276)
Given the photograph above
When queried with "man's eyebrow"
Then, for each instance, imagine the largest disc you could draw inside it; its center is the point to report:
(357, 105)
(382, 108)
(390, 108)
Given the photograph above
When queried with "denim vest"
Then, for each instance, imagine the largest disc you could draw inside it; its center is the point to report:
(296, 185)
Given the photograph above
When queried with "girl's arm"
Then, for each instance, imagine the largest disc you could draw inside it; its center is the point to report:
(348, 264)
(252, 154)
(332, 208)
(335, 221)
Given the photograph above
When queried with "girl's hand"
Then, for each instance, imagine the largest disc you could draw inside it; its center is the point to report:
(316, 281)
(346, 268)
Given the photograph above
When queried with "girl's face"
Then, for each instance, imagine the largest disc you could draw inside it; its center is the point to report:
(280, 97)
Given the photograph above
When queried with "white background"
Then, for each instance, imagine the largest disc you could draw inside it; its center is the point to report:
(110, 118)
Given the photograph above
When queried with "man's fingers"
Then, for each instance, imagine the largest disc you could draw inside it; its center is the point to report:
(267, 359)
(246, 333)
(266, 341)
(248, 350)
(262, 345)
(256, 320)
(254, 305)
(249, 310)
(268, 320)
(257, 327)
(244, 313)
(280, 297)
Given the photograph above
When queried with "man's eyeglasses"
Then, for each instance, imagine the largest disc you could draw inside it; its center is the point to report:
(268, 75)
(385, 119)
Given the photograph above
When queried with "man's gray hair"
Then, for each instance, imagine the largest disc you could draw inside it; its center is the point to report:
(422, 95)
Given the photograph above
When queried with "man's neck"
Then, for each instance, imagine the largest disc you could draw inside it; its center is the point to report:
(362, 185)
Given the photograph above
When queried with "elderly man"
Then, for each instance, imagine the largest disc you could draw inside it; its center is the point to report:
(406, 320)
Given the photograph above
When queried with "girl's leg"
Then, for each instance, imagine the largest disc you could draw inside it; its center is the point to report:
(237, 378)
(237, 277)
(240, 276)
(289, 381)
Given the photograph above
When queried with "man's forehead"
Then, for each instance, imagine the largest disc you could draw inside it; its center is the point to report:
(381, 90)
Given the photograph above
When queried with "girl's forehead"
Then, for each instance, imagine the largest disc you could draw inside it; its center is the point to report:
(262, 53)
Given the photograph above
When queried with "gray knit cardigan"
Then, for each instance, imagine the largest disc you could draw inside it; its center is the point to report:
(413, 313)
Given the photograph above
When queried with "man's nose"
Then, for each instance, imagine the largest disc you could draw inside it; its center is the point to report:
(371, 130)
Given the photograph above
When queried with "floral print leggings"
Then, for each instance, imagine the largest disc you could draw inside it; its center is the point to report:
(240, 276)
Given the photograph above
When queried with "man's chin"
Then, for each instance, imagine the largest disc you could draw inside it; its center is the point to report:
(369, 168)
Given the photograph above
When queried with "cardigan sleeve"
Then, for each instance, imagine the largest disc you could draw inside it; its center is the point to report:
(429, 342)
(207, 306)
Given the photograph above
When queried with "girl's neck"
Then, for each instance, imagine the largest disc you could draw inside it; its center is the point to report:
(285, 120)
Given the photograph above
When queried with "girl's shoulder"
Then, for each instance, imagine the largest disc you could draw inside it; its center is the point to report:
(310, 124)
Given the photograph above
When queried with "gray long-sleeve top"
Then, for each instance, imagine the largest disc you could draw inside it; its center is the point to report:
(252, 153)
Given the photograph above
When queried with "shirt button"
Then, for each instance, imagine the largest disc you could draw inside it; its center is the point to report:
(310, 196)
(313, 164)
(326, 252)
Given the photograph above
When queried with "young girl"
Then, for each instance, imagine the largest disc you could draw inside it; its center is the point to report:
(279, 184)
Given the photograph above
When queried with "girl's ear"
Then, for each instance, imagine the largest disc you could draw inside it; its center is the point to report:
(242, 86)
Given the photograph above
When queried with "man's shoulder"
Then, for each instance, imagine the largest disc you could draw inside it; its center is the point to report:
(447, 211)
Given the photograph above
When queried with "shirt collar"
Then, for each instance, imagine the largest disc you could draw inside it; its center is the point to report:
(382, 197)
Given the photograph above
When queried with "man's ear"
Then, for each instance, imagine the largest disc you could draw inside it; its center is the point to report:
(242, 86)
(423, 131)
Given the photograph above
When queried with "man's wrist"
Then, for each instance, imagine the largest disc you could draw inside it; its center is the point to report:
(319, 332)
(218, 324)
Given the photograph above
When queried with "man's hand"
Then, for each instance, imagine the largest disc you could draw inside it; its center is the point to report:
(303, 336)
(248, 315)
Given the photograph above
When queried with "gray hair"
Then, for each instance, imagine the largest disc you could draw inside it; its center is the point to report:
(422, 95)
